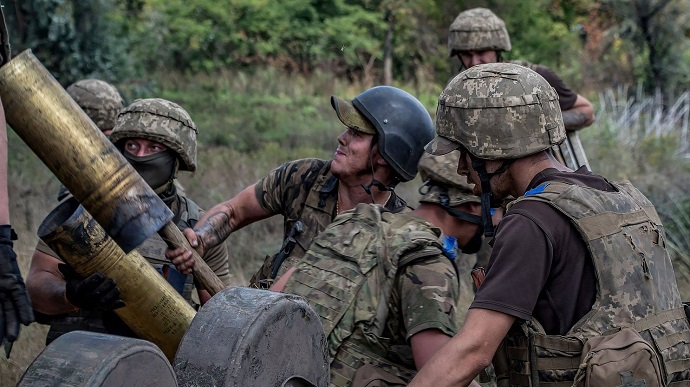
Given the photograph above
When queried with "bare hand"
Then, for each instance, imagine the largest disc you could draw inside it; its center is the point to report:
(181, 257)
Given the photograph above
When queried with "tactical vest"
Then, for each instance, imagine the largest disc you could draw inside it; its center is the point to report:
(153, 249)
(316, 214)
(347, 275)
(636, 287)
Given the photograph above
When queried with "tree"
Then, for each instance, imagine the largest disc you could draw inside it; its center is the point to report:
(73, 39)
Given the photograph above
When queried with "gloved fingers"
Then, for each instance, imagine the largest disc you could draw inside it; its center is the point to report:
(92, 282)
(67, 271)
(10, 320)
(108, 295)
(22, 304)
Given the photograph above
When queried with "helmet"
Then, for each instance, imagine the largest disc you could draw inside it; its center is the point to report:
(162, 121)
(99, 100)
(498, 111)
(477, 29)
(442, 184)
(402, 123)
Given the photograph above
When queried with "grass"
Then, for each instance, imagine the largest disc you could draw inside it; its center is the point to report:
(251, 123)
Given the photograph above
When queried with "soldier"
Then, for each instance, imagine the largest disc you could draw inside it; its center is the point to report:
(15, 307)
(101, 102)
(385, 284)
(386, 130)
(575, 257)
(478, 36)
(158, 138)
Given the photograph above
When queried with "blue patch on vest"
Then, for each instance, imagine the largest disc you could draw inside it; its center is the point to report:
(450, 247)
(536, 190)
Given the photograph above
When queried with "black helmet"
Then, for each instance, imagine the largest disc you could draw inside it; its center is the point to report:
(402, 123)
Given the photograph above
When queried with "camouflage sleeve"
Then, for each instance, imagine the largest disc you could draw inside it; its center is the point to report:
(428, 292)
(217, 260)
(285, 184)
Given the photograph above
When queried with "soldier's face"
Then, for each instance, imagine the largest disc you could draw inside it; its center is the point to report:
(142, 147)
(475, 57)
(351, 158)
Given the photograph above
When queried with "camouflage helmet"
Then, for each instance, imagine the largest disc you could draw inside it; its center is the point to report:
(99, 100)
(402, 123)
(442, 184)
(498, 111)
(477, 29)
(162, 121)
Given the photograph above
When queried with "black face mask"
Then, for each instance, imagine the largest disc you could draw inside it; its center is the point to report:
(157, 170)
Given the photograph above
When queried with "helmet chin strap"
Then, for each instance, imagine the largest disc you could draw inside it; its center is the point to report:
(374, 182)
(479, 165)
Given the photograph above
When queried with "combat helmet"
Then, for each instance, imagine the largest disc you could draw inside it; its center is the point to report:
(498, 111)
(162, 121)
(478, 29)
(99, 100)
(441, 182)
(402, 123)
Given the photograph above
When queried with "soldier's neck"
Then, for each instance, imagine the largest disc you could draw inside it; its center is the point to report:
(350, 196)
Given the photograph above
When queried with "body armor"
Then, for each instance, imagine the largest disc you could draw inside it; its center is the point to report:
(348, 274)
(636, 288)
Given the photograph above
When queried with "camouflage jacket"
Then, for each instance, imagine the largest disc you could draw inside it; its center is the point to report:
(306, 191)
(636, 286)
(377, 278)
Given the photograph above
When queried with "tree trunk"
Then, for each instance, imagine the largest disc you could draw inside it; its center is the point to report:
(388, 51)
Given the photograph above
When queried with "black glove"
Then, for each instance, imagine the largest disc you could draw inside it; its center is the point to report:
(95, 292)
(15, 306)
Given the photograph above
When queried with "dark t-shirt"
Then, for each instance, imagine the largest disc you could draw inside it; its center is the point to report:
(540, 265)
(566, 97)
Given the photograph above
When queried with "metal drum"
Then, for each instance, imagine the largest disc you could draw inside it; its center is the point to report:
(244, 337)
(98, 360)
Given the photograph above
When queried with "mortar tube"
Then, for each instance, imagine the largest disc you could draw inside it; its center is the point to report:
(154, 310)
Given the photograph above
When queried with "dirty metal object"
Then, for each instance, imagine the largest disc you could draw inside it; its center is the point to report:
(94, 359)
(253, 337)
(82, 158)
(154, 311)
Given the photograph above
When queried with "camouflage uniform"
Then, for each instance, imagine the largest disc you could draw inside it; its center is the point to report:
(377, 278)
(443, 171)
(503, 112)
(307, 191)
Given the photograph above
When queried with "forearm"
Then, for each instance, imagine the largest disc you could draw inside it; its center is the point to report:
(443, 370)
(224, 218)
(459, 361)
(575, 120)
(46, 285)
(580, 115)
(47, 294)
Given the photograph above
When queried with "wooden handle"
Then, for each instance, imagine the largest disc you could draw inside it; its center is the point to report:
(202, 272)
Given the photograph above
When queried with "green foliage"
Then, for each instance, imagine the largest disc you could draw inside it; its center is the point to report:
(73, 39)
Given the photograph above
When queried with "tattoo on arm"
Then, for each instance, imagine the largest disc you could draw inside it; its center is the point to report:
(215, 229)
(574, 120)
